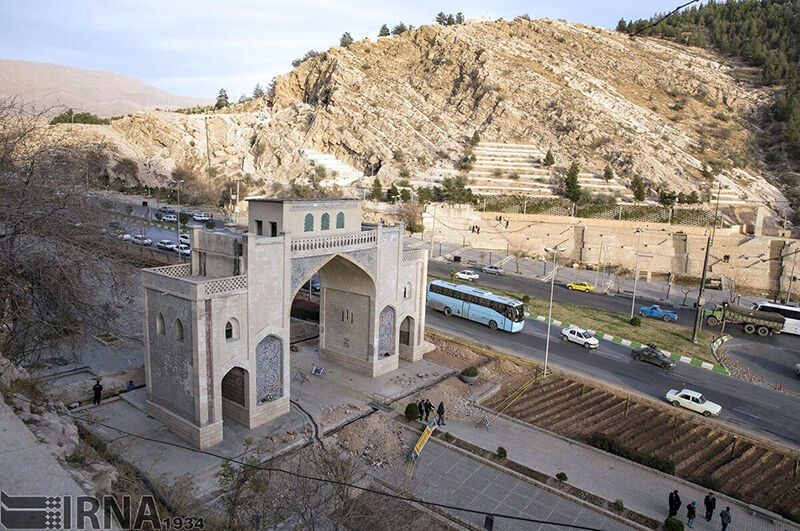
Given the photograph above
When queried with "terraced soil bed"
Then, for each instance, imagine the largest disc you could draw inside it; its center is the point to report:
(703, 452)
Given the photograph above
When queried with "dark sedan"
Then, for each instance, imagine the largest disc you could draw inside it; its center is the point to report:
(651, 354)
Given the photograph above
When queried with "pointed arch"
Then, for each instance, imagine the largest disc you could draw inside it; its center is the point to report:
(386, 332)
(177, 330)
(160, 326)
(340, 220)
(308, 223)
(325, 222)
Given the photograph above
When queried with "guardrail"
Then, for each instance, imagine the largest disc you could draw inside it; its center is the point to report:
(177, 271)
(330, 243)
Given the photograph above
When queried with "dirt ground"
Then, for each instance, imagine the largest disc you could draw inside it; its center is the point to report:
(375, 440)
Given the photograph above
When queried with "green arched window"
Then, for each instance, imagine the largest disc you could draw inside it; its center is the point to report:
(340, 220)
(308, 225)
(325, 222)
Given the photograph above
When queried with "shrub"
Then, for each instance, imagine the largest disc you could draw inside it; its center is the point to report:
(448, 437)
(635, 321)
(561, 476)
(501, 452)
(210, 224)
(526, 299)
(673, 524)
(618, 505)
(412, 412)
(159, 216)
(613, 446)
(470, 371)
(184, 218)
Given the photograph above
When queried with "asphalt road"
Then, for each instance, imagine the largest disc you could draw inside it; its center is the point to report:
(775, 416)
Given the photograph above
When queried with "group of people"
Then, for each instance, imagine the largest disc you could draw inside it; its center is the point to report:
(710, 503)
(476, 229)
(500, 219)
(97, 391)
(426, 408)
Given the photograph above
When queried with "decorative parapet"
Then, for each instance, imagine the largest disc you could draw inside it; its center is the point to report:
(222, 286)
(414, 256)
(330, 244)
(178, 270)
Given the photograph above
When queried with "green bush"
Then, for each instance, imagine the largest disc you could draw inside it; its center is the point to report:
(159, 216)
(635, 321)
(613, 446)
(184, 218)
(561, 476)
(448, 437)
(501, 452)
(526, 299)
(470, 371)
(412, 412)
(618, 505)
(673, 524)
(210, 224)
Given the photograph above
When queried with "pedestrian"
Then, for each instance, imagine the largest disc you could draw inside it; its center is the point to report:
(674, 503)
(477, 228)
(725, 517)
(691, 514)
(421, 407)
(711, 503)
(131, 387)
(506, 223)
(428, 409)
(440, 412)
(98, 390)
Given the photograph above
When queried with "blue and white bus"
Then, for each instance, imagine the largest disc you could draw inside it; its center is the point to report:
(477, 305)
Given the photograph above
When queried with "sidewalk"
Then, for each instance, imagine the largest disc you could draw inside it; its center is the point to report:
(640, 488)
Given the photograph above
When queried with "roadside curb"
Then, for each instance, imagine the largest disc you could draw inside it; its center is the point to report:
(635, 344)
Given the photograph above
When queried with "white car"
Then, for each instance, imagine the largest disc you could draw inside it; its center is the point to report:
(168, 209)
(492, 270)
(141, 240)
(797, 369)
(126, 237)
(169, 218)
(467, 274)
(167, 245)
(184, 238)
(183, 249)
(201, 216)
(694, 401)
(580, 336)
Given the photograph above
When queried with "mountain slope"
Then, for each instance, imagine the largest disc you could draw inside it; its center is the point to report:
(103, 93)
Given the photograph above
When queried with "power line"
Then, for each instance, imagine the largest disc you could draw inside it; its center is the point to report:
(330, 481)
(665, 16)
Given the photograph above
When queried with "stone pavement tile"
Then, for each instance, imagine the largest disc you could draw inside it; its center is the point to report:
(517, 501)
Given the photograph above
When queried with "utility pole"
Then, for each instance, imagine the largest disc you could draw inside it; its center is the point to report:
(636, 270)
(555, 251)
(599, 261)
(178, 188)
(698, 318)
(791, 279)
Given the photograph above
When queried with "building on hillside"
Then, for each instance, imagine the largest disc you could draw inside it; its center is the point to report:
(216, 329)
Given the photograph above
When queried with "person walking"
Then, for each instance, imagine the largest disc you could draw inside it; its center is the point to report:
(725, 517)
(440, 412)
(711, 503)
(506, 223)
(98, 391)
(428, 409)
(421, 408)
(674, 503)
(691, 514)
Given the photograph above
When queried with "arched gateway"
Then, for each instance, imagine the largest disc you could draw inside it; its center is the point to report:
(233, 301)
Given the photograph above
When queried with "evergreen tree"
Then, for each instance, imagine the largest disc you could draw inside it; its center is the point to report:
(258, 92)
(346, 39)
(572, 190)
(459, 18)
(441, 18)
(377, 189)
(608, 173)
(667, 198)
(450, 20)
(222, 99)
(392, 194)
(622, 25)
(424, 195)
(693, 198)
(384, 31)
(476, 138)
(400, 28)
(405, 195)
(549, 160)
(637, 185)
(243, 98)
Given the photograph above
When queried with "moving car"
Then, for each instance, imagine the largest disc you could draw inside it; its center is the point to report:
(167, 245)
(580, 286)
(694, 401)
(141, 240)
(169, 218)
(580, 336)
(467, 274)
(184, 238)
(183, 249)
(651, 354)
(656, 311)
(201, 216)
(167, 209)
(492, 270)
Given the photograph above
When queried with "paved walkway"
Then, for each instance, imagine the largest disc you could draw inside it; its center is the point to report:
(447, 476)
(641, 489)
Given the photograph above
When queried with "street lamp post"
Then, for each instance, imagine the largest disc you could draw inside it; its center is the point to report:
(555, 251)
(636, 270)
(178, 188)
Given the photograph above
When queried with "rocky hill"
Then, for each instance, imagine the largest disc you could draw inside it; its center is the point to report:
(408, 104)
(48, 85)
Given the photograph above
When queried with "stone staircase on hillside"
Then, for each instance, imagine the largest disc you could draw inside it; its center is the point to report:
(729, 194)
(338, 173)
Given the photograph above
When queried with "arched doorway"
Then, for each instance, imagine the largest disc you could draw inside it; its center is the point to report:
(407, 332)
(235, 391)
(386, 332)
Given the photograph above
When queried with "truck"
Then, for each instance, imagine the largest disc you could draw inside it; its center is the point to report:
(752, 321)
(658, 312)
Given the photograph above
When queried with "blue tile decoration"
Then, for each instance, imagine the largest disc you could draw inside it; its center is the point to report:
(269, 369)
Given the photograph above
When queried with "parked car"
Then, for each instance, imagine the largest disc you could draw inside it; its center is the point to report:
(187, 212)
(126, 237)
(580, 286)
(169, 218)
(167, 209)
(467, 274)
(167, 245)
(201, 216)
(183, 249)
(492, 270)
(580, 336)
(141, 240)
(694, 401)
(184, 238)
(314, 283)
(797, 369)
(652, 354)
(657, 312)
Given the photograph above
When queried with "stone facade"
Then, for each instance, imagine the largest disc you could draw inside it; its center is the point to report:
(217, 328)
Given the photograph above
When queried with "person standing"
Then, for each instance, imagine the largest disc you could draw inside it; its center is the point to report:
(98, 392)
(725, 517)
(711, 503)
(421, 408)
(440, 412)
(428, 409)
(691, 514)
(674, 503)
(131, 387)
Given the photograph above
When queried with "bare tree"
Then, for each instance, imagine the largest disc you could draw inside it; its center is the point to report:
(519, 253)
(410, 213)
(58, 260)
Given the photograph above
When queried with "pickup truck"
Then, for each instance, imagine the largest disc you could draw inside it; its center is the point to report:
(752, 321)
(656, 311)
